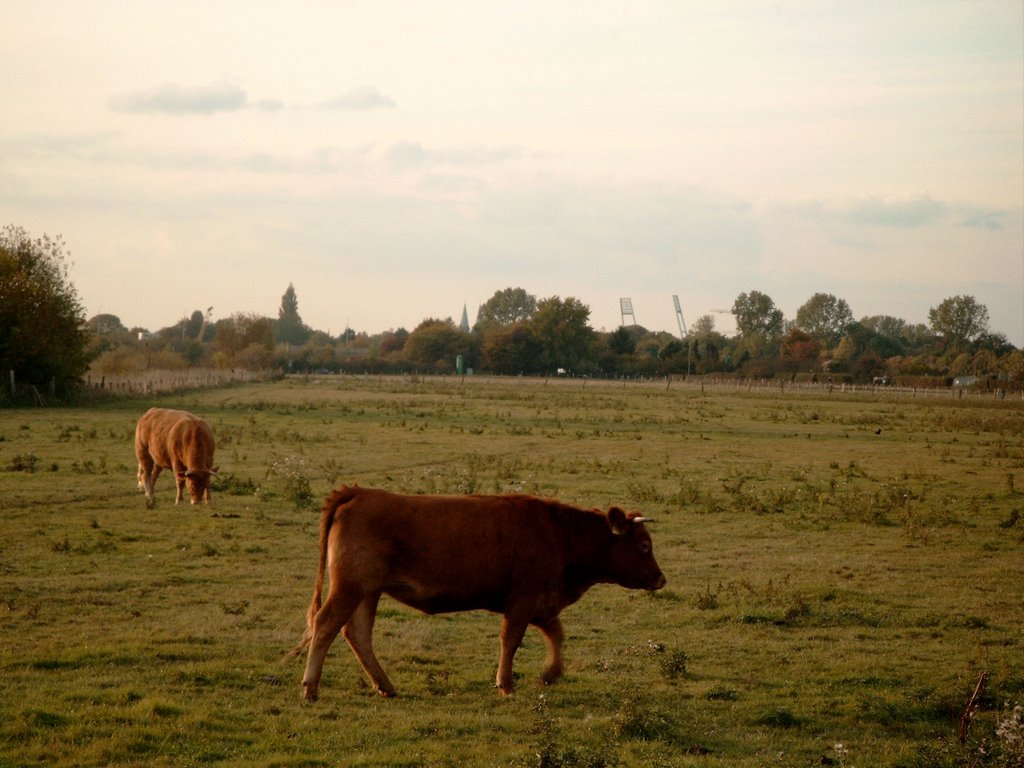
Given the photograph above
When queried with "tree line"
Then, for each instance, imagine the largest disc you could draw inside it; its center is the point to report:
(46, 341)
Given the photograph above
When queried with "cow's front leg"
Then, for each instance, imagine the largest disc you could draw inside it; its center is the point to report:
(512, 631)
(553, 636)
(179, 479)
(150, 475)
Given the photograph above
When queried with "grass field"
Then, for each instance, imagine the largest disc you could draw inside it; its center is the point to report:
(842, 570)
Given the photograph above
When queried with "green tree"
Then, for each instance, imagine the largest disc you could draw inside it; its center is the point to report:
(703, 326)
(673, 357)
(885, 325)
(109, 326)
(706, 346)
(995, 342)
(511, 349)
(868, 340)
(1012, 365)
(760, 326)
(867, 367)
(435, 345)
(107, 333)
(43, 334)
(392, 342)
(621, 341)
(562, 326)
(757, 316)
(824, 317)
(289, 328)
(844, 354)
(959, 319)
(506, 307)
(242, 331)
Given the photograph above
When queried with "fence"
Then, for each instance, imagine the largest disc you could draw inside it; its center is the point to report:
(162, 381)
(1008, 391)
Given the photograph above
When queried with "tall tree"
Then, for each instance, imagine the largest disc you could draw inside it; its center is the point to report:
(562, 326)
(757, 316)
(885, 325)
(289, 327)
(824, 317)
(506, 307)
(959, 319)
(703, 326)
(759, 323)
(43, 334)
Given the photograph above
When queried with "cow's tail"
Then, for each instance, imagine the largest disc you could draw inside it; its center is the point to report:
(336, 499)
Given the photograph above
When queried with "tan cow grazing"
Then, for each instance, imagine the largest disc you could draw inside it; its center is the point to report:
(523, 557)
(181, 442)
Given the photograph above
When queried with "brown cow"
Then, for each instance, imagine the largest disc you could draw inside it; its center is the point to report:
(179, 441)
(521, 556)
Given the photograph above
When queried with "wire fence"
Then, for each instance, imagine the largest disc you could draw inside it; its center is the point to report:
(164, 381)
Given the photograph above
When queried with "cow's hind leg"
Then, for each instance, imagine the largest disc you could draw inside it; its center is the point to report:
(359, 634)
(327, 623)
(512, 631)
(553, 636)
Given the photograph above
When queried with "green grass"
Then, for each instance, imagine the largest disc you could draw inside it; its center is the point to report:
(828, 583)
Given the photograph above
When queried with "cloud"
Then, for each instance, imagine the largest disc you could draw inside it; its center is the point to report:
(174, 99)
(982, 219)
(269, 105)
(912, 212)
(358, 99)
(411, 155)
(406, 155)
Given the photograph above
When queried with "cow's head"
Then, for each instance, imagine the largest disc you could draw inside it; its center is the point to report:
(631, 557)
(198, 483)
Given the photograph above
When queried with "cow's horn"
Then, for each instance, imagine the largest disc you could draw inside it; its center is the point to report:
(643, 519)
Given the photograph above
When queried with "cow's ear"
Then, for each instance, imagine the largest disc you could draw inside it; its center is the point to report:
(618, 521)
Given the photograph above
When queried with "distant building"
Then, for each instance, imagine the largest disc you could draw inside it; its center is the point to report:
(464, 324)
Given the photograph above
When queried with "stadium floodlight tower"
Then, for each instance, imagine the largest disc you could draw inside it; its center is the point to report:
(626, 305)
(683, 332)
(679, 318)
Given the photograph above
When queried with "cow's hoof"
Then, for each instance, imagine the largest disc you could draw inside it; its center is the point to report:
(550, 676)
(309, 693)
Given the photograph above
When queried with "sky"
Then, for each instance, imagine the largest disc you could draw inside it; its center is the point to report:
(396, 161)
